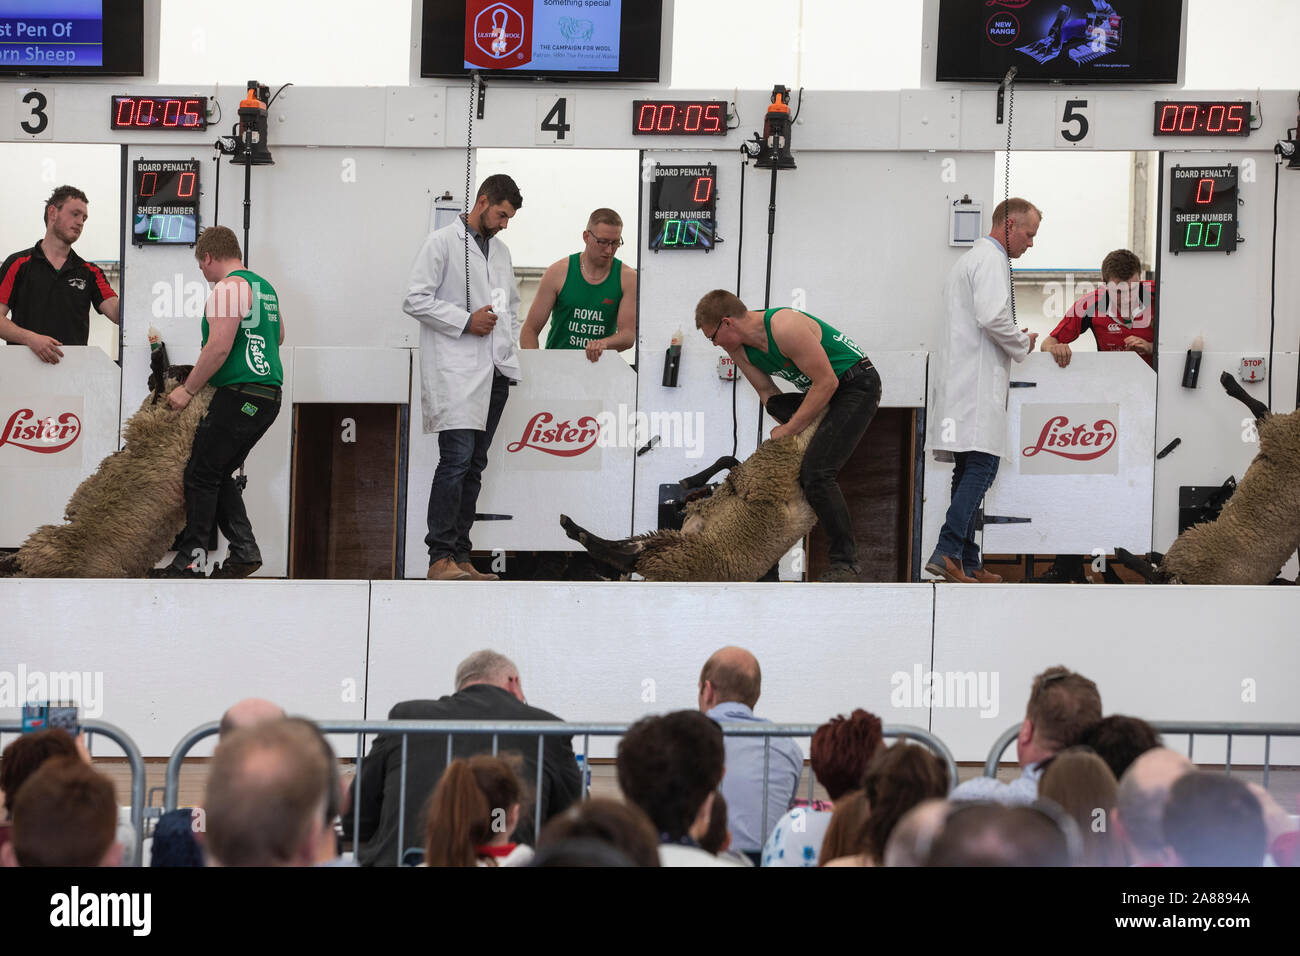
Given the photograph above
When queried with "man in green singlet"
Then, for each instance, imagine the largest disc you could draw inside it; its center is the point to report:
(589, 296)
(242, 332)
(832, 372)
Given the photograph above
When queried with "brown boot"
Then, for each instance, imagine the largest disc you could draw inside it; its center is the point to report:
(474, 573)
(983, 576)
(445, 569)
(949, 569)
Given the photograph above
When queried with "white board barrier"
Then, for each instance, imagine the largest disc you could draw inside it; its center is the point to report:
(58, 422)
(566, 444)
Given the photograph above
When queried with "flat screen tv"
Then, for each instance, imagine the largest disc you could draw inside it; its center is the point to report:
(71, 37)
(1079, 41)
(611, 40)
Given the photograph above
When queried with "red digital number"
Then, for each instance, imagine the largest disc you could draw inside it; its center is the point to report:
(182, 190)
(148, 185)
(129, 105)
(175, 114)
(1204, 188)
(1187, 122)
(712, 118)
(699, 112)
(1210, 126)
(645, 119)
(707, 183)
(1235, 119)
(191, 113)
(1169, 118)
(140, 119)
(667, 116)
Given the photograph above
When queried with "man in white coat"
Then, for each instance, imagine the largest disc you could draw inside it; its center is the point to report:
(971, 375)
(467, 362)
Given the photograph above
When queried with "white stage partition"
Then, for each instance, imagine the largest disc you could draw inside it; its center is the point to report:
(57, 422)
(1080, 457)
(565, 445)
(1224, 654)
(618, 651)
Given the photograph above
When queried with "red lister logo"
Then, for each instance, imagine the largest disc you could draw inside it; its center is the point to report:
(565, 439)
(1085, 442)
(44, 436)
(496, 36)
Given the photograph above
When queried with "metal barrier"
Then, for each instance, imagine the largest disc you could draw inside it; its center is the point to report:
(542, 729)
(119, 737)
(1189, 727)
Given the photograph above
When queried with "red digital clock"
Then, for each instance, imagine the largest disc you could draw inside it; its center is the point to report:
(1202, 118)
(679, 117)
(159, 112)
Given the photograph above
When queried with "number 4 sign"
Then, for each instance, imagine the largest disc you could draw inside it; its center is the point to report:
(555, 121)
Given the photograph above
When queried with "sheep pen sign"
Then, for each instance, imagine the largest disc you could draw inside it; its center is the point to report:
(1069, 439)
(43, 434)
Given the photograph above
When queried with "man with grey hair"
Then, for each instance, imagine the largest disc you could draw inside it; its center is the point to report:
(487, 688)
(1140, 805)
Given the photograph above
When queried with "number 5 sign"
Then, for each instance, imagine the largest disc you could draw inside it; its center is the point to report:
(1074, 123)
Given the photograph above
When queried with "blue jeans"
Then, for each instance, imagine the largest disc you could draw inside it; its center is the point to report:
(453, 497)
(972, 476)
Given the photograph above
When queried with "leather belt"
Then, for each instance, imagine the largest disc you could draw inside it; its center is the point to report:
(857, 369)
(262, 391)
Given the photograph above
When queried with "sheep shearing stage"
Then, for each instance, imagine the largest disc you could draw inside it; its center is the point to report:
(1259, 527)
(737, 534)
(124, 517)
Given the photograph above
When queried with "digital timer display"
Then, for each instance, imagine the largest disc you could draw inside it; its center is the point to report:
(159, 112)
(679, 117)
(1202, 118)
(683, 208)
(165, 202)
(1203, 209)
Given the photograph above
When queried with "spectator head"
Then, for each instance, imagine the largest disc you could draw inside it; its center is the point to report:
(249, 711)
(909, 844)
(24, 756)
(1140, 804)
(1062, 706)
(489, 667)
(1212, 819)
(670, 766)
(730, 675)
(1080, 783)
(65, 814)
(335, 794)
(842, 748)
(845, 828)
(268, 789)
(584, 852)
(717, 838)
(895, 782)
(1120, 740)
(475, 803)
(990, 834)
(622, 826)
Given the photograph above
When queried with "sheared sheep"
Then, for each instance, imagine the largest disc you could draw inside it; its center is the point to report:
(736, 534)
(124, 517)
(1259, 527)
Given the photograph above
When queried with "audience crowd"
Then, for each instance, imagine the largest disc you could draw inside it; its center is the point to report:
(1093, 790)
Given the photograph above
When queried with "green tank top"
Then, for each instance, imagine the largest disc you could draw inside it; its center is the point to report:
(255, 354)
(842, 351)
(584, 311)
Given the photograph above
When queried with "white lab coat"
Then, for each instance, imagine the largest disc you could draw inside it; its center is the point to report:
(455, 365)
(970, 372)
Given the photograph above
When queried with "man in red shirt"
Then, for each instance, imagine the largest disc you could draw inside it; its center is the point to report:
(1118, 312)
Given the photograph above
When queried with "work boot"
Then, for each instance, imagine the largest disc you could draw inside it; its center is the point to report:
(841, 574)
(236, 569)
(983, 576)
(474, 573)
(949, 569)
(445, 569)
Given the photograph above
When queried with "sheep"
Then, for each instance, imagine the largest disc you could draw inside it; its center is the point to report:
(736, 534)
(1259, 527)
(124, 517)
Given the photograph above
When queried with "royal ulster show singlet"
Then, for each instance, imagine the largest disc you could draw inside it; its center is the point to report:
(842, 351)
(583, 311)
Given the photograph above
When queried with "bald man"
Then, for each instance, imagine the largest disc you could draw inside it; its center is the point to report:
(729, 687)
(1140, 805)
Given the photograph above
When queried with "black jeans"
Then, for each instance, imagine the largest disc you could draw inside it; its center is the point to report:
(453, 497)
(234, 423)
(848, 415)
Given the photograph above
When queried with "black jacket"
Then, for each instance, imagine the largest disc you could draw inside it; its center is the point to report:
(427, 758)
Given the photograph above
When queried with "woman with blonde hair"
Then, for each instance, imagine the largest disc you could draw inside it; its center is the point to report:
(473, 812)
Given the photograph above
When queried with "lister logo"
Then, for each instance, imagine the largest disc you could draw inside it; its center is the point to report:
(1084, 442)
(1069, 439)
(45, 436)
(498, 31)
(566, 439)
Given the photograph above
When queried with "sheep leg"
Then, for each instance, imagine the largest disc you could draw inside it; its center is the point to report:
(701, 478)
(1138, 565)
(10, 567)
(1233, 388)
(621, 555)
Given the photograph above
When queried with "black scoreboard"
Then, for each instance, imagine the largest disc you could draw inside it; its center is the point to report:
(683, 208)
(1203, 209)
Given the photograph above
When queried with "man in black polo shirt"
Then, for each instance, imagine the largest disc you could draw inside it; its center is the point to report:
(46, 292)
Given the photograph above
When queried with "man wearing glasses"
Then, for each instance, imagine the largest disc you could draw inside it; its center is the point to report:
(589, 296)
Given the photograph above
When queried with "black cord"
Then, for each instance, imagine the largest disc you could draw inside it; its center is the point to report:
(798, 106)
(216, 194)
(1006, 194)
(740, 245)
(1272, 296)
(277, 95)
(469, 155)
